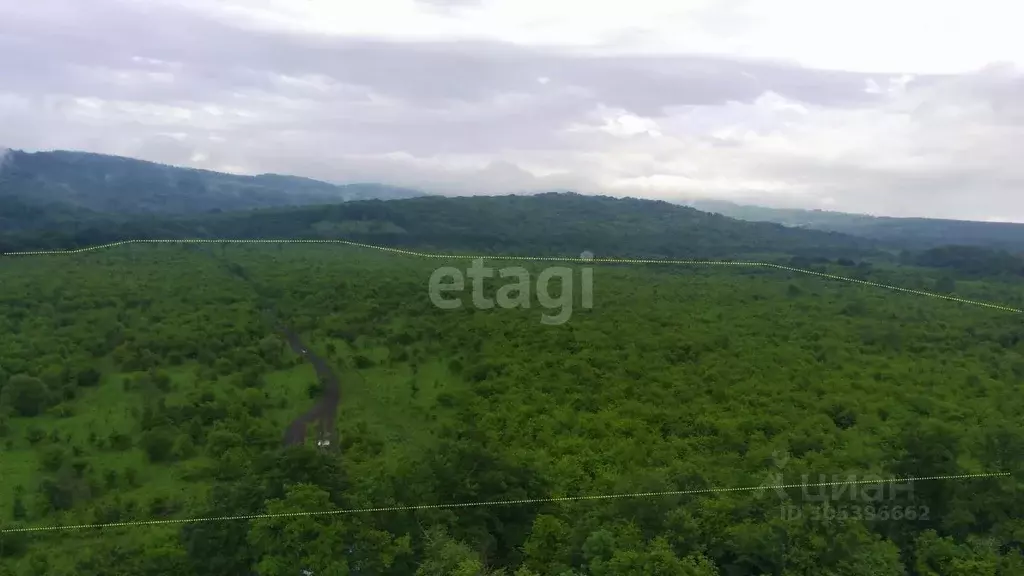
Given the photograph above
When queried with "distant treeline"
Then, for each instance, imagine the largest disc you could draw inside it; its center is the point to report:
(541, 225)
(546, 224)
(969, 261)
(909, 233)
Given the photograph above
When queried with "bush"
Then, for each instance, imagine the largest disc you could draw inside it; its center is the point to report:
(35, 435)
(52, 457)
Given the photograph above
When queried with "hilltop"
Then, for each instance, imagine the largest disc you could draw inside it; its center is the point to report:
(112, 184)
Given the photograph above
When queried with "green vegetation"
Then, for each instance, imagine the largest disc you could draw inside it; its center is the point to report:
(911, 233)
(78, 199)
(544, 224)
(971, 261)
(95, 183)
(147, 382)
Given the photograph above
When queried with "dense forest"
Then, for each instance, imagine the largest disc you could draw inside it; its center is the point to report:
(149, 382)
(174, 382)
(970, 261)
(553, 224)
(546, 224)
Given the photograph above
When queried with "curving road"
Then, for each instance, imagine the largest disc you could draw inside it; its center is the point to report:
(326, 407)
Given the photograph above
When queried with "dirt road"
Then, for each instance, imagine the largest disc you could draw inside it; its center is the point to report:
(326, 408)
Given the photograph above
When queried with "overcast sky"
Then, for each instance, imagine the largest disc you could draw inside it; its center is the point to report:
(900, 108)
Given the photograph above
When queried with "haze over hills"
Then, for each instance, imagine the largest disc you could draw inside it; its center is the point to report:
(67, 199)
(47, 190)
(59, 200)
(114, 184)
(917, 233)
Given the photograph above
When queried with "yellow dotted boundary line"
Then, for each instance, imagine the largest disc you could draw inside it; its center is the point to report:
(535, 259)
(501, 503)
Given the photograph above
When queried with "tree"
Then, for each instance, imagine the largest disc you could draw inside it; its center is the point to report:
(549, 547)
(18, 510)
(183, 447)
(26, 395)
(630, 558)
(158, 444)
(315, 543)
(218, 548)
(936, 556)
(445, 556)
(13, 544)
(88, 378)
(220, 441)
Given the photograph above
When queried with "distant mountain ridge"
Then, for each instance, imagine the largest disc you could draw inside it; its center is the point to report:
(50, 190)
(119, 185)
(60, 200)
(547, 224)
(911, 233)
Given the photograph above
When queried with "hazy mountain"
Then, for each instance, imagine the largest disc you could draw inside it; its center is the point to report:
(71, 199)
(912, 233)
(114, 184)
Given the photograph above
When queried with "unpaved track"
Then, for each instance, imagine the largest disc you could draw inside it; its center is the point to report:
(325, 409)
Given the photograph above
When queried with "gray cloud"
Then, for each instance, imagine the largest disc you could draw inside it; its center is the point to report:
(57, 42)
(170, 85)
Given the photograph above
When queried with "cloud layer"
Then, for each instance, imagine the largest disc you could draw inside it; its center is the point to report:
(468, 96)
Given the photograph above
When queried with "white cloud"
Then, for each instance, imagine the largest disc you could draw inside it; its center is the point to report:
(600, 97)
(921, 36)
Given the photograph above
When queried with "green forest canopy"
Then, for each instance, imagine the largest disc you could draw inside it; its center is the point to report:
(542, 225)
(147, 382)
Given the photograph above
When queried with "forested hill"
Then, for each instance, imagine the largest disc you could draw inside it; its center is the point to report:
(544, 224)
(114, 184)
(19, 215)
(913, 233)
